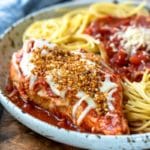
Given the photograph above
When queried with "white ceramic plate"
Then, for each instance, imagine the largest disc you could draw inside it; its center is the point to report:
(10, 41)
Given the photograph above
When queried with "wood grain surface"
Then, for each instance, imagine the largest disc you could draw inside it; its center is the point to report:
(15, 136)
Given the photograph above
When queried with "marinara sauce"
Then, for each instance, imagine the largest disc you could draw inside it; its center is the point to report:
(126, 64)
(38, 112)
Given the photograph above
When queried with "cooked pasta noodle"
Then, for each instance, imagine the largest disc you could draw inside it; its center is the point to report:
(137, 107)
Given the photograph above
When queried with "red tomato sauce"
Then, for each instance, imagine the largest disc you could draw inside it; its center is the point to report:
(37, 112)
(130, 66)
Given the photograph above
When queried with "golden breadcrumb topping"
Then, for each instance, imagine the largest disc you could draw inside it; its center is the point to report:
(71, 71)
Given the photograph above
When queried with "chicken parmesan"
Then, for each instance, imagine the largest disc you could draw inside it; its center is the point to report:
(73, 85)
(94, 62)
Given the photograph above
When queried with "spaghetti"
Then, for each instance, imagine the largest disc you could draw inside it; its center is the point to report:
(137, 107)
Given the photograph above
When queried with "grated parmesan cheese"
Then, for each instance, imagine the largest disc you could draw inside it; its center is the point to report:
(132, 38)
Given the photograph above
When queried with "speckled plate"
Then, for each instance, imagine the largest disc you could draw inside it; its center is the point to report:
(10, 41)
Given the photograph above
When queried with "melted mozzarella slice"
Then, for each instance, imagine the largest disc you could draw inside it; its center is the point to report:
(44, 52)
(32, 80)
(14, 62)
(83, 114)
(110, 99)
(78, 52)
(77, 105)
(26, 65)
(90, 105)
(89, 63)
(109, 88)
(42, 93)
(41, 43)
(107, 85)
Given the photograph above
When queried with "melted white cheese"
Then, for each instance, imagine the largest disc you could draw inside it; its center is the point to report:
(26, 65)
(42, 93)
(15, 64)
(26, 45)
(109, 88)
(83, 114)
(110, 99)
(41, 43)
(107, 85)
(32, 80)
(89, 63)
(44, 52)
(75, 107)
(90, 105)
(54, 86)
(78, 52)
(132, 38)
